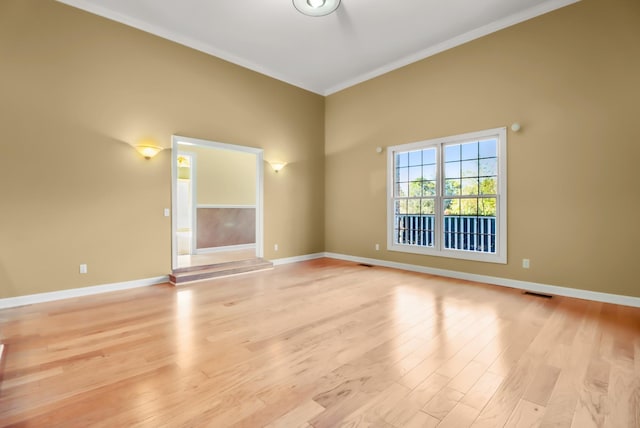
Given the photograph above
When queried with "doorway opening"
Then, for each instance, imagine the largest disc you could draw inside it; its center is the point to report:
(217, 201)
(185, 185)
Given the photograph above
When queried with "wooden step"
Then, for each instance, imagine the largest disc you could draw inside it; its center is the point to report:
(199, 273)
(247, 262)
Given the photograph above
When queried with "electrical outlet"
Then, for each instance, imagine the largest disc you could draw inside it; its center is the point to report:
(167, 212)
(525, 263)
(377, 247)
(275, 247)
(83, 268)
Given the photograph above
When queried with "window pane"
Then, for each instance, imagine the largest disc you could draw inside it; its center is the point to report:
(401, 207)
(415, 158)
(414, 230)
(428, 207)
(470, 168)
(469, 206)
(402, 190)
(487, 207)
(452, 153)
(452, 187)
(488, 186)
(488, 148)
(429, 156)
(428, 188)
(402, 159)
(415, 172)
(402, 174)
(429, 172)
(469, 186)
(451, 206)
(419, 188)
(452, 170)
(413, 206)
(469, 150)
(489, 167)
(470, 233)
(399, 236)
(415, 189)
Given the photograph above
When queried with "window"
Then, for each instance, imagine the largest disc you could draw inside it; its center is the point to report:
(448, 197)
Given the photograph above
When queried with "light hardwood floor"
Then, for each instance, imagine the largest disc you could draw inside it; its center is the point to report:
(323, 343)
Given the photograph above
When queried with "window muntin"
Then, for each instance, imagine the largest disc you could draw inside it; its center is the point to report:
(447, 196)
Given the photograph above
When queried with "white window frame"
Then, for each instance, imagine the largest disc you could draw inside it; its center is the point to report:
(500, 255)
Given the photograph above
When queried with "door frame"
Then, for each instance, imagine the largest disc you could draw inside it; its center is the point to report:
(189, 141)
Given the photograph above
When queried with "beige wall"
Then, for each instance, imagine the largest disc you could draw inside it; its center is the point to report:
(572, 79)
(76, 90)
(224, 177)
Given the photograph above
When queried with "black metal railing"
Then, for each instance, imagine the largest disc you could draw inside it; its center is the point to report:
(470, 233)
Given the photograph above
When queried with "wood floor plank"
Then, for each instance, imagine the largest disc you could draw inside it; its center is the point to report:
(590, 410)
(461, 416)
(482, 391)
(526, 415)
(322, 343)
(623, 399)
(421, 420)
(468, 377)
(405, 411)
(540, 389)
(373, 413)
(562, 403)
(440, 405)
(299, 416)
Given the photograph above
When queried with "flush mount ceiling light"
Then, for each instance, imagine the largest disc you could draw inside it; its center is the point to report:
(316, 7)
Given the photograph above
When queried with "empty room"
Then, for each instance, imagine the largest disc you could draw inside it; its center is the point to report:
(320, 213)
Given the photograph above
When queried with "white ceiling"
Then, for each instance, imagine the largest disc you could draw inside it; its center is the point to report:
(361, 40)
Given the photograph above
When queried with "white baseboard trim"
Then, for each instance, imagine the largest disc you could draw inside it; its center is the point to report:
(287, 260)
(30, 299)
(504, 282)
(617, 299)
(238, 247)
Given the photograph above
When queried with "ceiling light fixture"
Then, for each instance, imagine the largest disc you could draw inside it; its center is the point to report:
(316, 7)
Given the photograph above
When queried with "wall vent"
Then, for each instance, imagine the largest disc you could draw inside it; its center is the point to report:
(533, 293)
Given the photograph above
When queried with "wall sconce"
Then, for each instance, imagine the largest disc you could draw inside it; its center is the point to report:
(516, 127)
(277, 166)
(148, 150)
